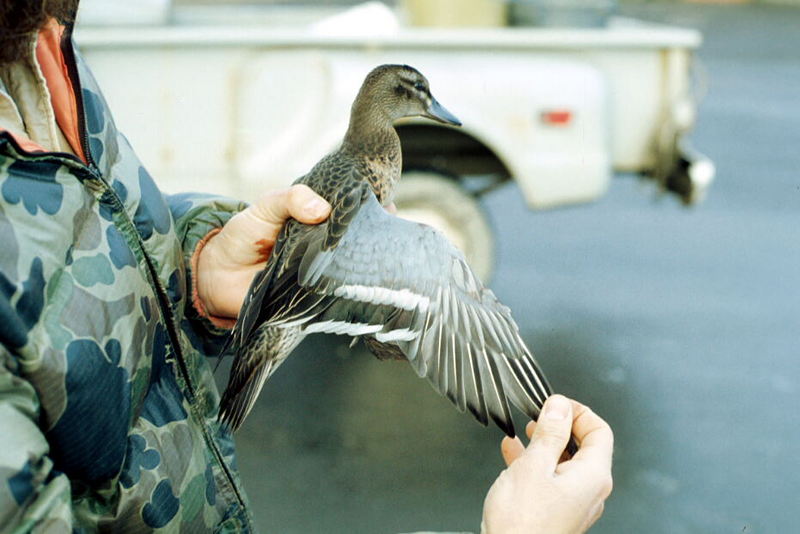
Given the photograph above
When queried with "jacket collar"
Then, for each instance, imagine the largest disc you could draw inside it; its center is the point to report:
(46, 60)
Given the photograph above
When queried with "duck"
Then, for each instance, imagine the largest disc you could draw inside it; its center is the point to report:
(399, 286)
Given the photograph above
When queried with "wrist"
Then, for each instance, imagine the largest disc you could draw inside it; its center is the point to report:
(204, 265)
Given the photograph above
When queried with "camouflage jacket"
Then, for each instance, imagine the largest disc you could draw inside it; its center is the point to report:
(107, 402)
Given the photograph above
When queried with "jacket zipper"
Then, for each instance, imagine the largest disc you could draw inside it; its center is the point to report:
(166, 309)
(169, 320)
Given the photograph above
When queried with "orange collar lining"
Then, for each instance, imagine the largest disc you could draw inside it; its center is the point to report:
(62, 93)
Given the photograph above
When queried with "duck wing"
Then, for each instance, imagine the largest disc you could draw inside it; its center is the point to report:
(409, 291)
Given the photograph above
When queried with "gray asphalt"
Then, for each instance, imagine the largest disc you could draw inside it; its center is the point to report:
(680, 327)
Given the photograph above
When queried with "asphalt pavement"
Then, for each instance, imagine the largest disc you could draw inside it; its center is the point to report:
(680, 326)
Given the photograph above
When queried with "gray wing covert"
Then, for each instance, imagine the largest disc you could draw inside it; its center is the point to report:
(403, 285)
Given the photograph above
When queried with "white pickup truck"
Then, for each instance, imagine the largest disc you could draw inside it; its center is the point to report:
(243, 102)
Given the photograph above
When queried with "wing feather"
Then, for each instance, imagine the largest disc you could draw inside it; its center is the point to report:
(410, 279)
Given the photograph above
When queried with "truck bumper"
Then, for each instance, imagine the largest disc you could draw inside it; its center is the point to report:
(691, 176)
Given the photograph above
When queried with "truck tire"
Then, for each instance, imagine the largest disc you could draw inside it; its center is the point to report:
(436, 200)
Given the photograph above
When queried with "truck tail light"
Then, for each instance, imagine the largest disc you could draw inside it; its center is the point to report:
(556, 117)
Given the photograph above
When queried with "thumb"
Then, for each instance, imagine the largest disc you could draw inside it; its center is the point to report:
(552, 433)
(298, 201)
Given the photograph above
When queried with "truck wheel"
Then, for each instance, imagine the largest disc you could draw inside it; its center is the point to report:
(438, 201)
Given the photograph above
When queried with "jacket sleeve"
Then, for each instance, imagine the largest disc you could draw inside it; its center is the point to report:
(33, 496)
(195, 216)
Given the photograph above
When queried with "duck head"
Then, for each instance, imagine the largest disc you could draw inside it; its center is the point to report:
(399, 91)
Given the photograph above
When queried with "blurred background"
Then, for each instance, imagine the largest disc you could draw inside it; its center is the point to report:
(626, 177)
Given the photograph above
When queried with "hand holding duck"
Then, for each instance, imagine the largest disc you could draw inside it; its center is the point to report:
(231, 258)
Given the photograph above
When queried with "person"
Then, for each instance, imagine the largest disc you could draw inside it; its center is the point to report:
(112, 295)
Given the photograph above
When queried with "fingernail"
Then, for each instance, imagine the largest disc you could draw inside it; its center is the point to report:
(556, 408)
(316, 207)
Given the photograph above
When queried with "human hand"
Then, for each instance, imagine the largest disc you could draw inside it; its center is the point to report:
(537, 492)
(230, 259)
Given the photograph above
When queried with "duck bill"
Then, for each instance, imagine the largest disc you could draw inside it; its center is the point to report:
(437, 112)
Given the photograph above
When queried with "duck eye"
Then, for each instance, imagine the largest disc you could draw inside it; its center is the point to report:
(419, 87)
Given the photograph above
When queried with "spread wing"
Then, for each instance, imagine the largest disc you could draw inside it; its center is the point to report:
(408, 290)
